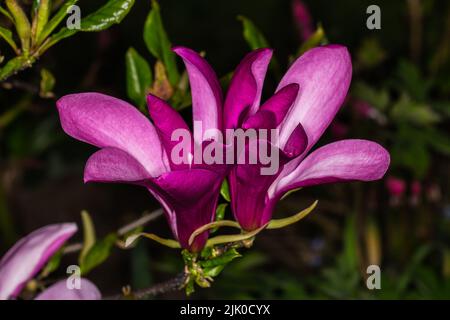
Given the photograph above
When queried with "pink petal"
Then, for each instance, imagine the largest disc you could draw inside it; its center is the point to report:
(60, 291)
(105, 121)
(246, 87)
(24, 260)
(344, 160)
(324, 75)
(273, 111)
(114, 165)
(205, 90)
(166, 120)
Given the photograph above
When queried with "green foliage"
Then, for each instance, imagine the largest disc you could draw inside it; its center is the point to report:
(89, 237)
(52, 265)
(317, 38)
(7, 35)
(158, 43)
(113, 12)
(252, 35)
(225, 190)
(47, 84)
(139, 77)
(98, 253)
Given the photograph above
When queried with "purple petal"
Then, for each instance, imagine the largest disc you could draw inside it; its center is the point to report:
(281, 101)
(297, 142)
(189, 198)
(105, 121)
(114, 165)
(344, 160)
(324, 75)
(60, 291)
(246, 87)
(273, 111)
(24, 260)
(166, 120)
(205, 90)
(250, 203)
(263, 119)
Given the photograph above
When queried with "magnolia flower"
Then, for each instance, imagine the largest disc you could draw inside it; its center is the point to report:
(133, 150)
(28, 256)
(306, 101)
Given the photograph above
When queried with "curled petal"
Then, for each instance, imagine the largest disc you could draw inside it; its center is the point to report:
(205, 90)
(324, 75)
(24, 260)
(273, 111)
(114, 165)
(344, 160)
(61, 291)
(105, 121)
(246, 87)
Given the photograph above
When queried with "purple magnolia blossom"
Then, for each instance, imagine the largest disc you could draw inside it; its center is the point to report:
(133, 150)
(306, 101)
(59, 291)
(28, 256)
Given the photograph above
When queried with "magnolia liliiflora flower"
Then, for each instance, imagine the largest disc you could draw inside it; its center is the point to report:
(30, 254)
(306, 101)
(133, 150)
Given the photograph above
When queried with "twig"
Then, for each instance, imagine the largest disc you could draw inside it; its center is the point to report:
(142, 221)
(173, 284)
(146, 218)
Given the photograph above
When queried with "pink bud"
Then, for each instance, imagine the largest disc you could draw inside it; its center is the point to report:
(395, 186)
(302, 19)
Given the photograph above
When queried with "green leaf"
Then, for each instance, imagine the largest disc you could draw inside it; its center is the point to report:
(220, 214)
(351, 243)
(139, 77)
(377, 98)
(47, 84)
(99, 252)
(7, 35)
(316, 39)
(252, 35)
(56, 20)
(88, 235)
(158, 43)
(213, 271)
(14, 65)
(225, 190)
(223, 259)
(22, 24)
(410, 111)
(43, 8)
(5, 12)
(52, 264)
(113, 12)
